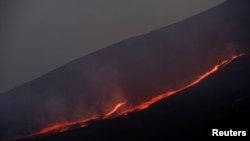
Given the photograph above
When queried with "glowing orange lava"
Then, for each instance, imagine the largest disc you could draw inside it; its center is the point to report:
(169, 93)
(71, 125)
(60, 128)
(114, 113)
(114, 110)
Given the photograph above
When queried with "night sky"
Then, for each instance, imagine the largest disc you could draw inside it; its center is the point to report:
(39, 36)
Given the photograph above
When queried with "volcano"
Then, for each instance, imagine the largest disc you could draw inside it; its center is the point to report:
(181, 80)
(221, 101)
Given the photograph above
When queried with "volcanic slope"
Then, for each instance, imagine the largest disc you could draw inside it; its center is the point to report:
(131, 72)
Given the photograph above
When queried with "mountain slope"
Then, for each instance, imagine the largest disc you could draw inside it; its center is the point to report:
(220, 101)
(132, 71)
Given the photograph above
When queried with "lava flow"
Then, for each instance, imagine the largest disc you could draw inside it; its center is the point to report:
(169, 93)
(114, 110)
(117, 111)
(57, 128)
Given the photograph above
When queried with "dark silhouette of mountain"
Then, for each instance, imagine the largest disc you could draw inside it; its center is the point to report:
(134, 71)
(221, 101)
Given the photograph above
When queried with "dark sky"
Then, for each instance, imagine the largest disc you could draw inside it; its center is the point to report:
(39, 36)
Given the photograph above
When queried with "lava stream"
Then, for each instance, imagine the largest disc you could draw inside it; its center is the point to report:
(114, 112)
(169, 93)
(57, 128)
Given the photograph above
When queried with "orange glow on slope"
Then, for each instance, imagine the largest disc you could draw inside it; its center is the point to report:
(114, 110)
(114, 113)
(60, 128)
(169, 93)
(71, 125)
